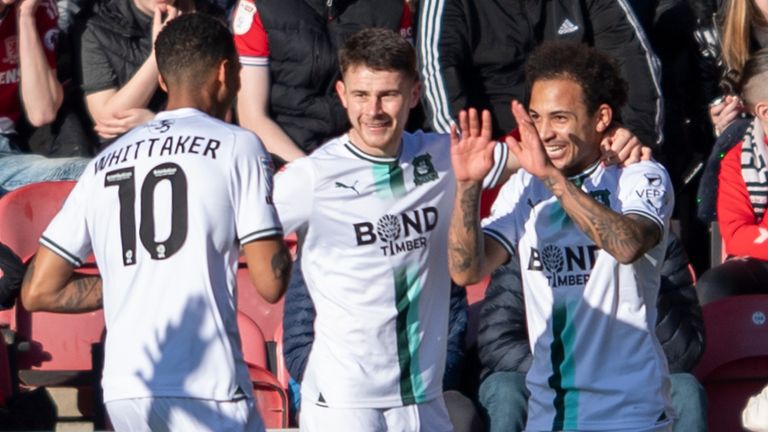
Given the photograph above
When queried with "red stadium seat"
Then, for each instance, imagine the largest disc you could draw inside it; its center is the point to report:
(47, 341)
(735, 363)
(268, 316)
(251, 341)
(282, 372)
(26, 212)
(271, 398)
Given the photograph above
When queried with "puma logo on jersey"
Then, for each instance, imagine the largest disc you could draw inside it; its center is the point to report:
(343, 186)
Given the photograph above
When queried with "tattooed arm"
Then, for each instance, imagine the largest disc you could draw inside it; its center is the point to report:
(50, 285)
(472, 158)
(269, 265)
(625, 237)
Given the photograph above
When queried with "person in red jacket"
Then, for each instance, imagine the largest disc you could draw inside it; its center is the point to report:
(742, 198)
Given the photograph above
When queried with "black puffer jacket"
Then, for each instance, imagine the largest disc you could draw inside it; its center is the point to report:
(503, 338)
(304, 37)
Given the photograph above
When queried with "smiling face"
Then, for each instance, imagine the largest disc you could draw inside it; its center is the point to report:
(378, 103)
(571, 135)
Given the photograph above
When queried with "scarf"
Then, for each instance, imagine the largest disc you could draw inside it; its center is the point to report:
(754, 170)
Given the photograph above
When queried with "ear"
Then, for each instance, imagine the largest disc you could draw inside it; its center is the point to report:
(161, 82)
(222, 72)
(341, 90)
(603, 118)
(415, 92)
(761, 111)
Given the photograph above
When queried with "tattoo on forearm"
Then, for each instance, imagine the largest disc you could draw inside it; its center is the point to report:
(621, 236)
(465, 241)
(83, 294)
(281, 263)
(469, 203)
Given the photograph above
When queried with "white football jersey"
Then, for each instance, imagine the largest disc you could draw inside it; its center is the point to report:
(597, 364)
(164, 209)
(374, 234)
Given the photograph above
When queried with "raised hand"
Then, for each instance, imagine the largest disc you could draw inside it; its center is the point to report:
(529, 151)
(472, 150)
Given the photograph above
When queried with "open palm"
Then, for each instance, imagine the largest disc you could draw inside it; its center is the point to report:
(529, 150)
(472, 150)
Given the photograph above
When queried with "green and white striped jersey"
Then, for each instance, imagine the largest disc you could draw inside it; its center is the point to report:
(373, 235)
(597, 364)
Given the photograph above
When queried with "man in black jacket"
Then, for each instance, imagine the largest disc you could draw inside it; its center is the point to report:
(288, 52)
(472, 54)
(505, 354)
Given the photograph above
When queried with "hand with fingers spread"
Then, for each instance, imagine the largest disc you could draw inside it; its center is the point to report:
(472, 150)
(122, 122)
(529, 150)
(621, 146)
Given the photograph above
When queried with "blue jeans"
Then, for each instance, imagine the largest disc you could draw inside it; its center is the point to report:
(18, 169)
(504, 402)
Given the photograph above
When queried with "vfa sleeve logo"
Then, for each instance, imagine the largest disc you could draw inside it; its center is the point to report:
(423, 170)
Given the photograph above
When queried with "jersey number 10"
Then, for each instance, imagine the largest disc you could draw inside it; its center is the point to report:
(126, 191)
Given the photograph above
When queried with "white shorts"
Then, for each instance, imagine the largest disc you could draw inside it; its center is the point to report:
(431, 416)
(184, 414)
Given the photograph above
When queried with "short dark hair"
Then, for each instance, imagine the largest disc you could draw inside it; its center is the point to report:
(378, 49)
(753, 86)
(191, 46)
(596, 73)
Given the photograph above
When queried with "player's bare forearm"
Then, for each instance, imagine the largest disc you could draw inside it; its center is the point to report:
(281, 267)
(269, 266)
(625, 237)
(45, 289)
(465, 241)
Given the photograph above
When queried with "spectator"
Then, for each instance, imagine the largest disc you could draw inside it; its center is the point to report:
(117, 60)
(725, 48)
(506, 356)
(288, 51)
(741, 197)
(28, 83)
(590, 241)
(473, 54)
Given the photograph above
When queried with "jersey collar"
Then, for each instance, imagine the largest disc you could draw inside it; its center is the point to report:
(579, 178)
(178, 113)
(370, 158)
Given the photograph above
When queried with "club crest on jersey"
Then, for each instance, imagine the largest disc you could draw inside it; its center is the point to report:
(423, 170)
(11, 44)
(161, 126)
(564, 266)
(246, 10)
(396, 234)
